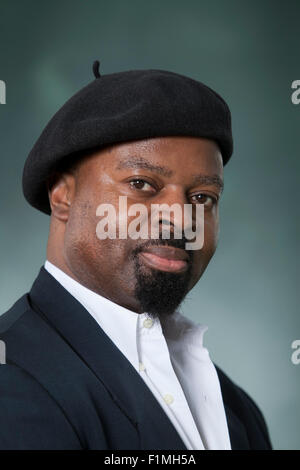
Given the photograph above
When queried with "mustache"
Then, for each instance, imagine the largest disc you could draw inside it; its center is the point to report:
(172, 242)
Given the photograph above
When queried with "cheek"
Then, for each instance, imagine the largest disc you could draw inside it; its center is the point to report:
(211, 235)
(202, 257)
(83, 248)
(211, 230)
(79, 237)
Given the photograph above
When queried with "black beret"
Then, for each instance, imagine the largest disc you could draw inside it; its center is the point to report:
(121, 107)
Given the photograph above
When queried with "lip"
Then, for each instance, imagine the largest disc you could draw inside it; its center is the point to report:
(166, 258)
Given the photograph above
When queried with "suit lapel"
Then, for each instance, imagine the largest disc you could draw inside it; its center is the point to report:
(237, 431)
(83, 334)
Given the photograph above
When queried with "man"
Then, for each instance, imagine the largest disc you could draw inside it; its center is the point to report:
(98, 355)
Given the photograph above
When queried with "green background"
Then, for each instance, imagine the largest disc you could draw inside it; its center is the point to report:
(249, 53)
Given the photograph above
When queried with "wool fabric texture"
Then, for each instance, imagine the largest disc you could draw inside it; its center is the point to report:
(123, 107)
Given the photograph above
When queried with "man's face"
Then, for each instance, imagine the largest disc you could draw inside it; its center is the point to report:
(164, 170)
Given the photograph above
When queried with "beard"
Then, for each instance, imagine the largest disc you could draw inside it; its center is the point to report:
(160, 293)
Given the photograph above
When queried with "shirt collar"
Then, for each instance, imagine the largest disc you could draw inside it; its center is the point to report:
(115, 320)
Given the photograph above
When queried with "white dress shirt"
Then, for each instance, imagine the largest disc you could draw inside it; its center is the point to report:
(170, 357)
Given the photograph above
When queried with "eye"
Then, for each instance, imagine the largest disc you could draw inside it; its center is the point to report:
(141, 185)
(205, 199)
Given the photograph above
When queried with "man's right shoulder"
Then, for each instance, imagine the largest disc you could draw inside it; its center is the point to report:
(11, 316)
(29, 417)
(23, 399)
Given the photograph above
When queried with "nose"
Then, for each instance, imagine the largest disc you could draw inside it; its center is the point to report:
(169, 209)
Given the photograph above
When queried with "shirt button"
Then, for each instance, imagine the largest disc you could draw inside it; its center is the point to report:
(148, 323)
(168, 399)
(141, 366)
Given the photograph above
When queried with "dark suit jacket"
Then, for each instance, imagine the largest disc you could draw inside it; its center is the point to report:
(65, 385)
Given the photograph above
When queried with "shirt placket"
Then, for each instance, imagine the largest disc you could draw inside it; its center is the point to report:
(155, 363)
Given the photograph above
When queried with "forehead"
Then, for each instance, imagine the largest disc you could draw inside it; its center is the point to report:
(166, 156)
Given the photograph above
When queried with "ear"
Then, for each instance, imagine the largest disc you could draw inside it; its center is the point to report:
(61, 193)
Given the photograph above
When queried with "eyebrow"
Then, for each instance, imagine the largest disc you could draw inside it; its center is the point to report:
(140, 162)
(213, 180)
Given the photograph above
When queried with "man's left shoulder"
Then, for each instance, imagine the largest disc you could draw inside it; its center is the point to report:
(238, 402)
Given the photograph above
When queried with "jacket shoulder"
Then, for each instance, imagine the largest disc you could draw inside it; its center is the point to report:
(30, 419)
(11, 316)
(41, 383)
(247, 411)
